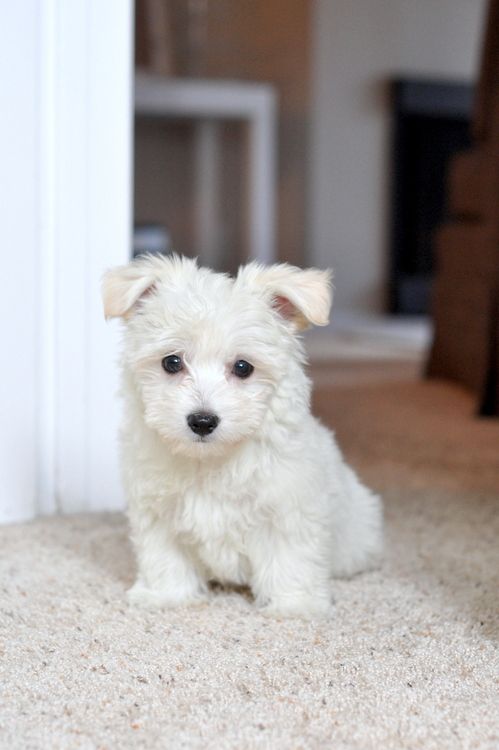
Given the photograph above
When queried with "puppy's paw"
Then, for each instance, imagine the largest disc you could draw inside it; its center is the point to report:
(303, 607)
(145, 598)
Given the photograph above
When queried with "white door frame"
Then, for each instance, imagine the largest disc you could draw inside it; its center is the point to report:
(93, 219)
(67, 217)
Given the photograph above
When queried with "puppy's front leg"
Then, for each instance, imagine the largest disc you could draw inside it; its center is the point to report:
(166, 575)
(290, 578)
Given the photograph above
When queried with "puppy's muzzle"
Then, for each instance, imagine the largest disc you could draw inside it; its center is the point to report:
(202, 423)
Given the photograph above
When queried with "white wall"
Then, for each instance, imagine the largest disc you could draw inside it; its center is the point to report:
(19, 232)
(65, 215)
(359, 45)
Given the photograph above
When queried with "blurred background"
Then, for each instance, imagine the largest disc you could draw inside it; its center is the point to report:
(354, 135)
(318, 132)
(369, 100)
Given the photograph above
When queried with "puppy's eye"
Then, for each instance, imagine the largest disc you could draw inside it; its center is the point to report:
(242, 369)
(172, 364)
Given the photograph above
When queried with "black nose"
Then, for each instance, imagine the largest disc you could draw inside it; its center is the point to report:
(202, 423)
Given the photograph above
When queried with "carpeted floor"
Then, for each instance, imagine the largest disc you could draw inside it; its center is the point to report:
(411, 659)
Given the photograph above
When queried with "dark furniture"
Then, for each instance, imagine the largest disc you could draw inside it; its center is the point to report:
(466, 293)
(431, 123)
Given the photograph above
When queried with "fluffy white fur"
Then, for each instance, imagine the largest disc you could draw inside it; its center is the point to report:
(266, 499)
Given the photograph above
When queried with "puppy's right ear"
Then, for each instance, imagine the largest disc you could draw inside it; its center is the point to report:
(123, 286)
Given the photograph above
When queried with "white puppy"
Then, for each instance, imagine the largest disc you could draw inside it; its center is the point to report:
(228, 475)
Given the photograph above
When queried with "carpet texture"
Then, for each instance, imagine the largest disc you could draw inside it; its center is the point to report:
(410, 660)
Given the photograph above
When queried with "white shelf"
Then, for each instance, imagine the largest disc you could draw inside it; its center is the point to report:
(156, 95)
(208, 101)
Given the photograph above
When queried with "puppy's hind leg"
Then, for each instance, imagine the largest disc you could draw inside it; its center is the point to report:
(167, 576)
(357, 542)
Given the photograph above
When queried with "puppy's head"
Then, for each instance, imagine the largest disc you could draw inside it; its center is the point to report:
(211, 356)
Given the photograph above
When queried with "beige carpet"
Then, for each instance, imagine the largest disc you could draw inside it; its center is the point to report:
(410, 660)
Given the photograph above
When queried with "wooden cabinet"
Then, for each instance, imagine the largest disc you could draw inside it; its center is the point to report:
(466, 298)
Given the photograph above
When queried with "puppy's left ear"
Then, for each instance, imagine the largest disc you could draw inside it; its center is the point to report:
(303, 297)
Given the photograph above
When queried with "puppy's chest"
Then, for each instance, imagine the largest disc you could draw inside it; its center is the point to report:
(204, 515)
(217, 528)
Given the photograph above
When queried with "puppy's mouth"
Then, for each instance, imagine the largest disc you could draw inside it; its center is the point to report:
(204, 441)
